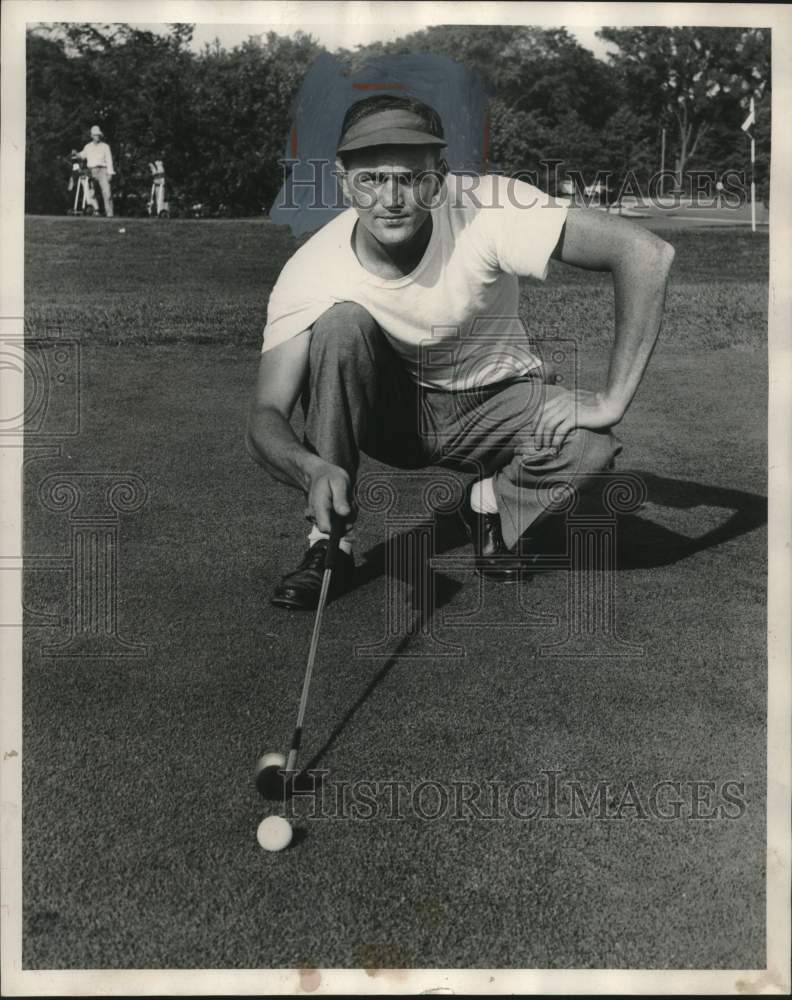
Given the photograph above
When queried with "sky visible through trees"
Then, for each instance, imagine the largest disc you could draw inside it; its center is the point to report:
(219, 116)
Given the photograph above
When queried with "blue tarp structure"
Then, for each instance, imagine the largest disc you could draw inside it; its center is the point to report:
(311, 195)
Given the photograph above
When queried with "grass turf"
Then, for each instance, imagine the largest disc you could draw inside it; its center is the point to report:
(139, 806)
(207, 282)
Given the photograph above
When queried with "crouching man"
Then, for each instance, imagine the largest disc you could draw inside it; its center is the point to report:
(427, 258)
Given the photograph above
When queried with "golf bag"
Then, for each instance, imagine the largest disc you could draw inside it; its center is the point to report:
(82, 184)
(157, 205)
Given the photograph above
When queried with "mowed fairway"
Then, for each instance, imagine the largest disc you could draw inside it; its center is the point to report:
(140, 811)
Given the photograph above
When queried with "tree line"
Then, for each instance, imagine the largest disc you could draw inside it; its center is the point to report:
(219, 118)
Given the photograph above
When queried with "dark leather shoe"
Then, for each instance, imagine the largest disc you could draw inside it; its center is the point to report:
(545, 538)
(492, 559)
(299, 590)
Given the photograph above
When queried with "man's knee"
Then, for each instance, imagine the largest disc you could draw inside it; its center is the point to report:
(594, 451)
(344, 328)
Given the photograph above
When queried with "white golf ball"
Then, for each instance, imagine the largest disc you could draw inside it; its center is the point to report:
(274, 833)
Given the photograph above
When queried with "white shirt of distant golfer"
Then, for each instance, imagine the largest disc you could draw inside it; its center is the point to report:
(97, 154)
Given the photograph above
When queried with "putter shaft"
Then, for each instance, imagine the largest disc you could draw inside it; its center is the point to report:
(337, 527)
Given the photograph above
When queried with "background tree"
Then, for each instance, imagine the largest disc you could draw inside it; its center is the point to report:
(57, 89)
(690, 78)
(539, 78)
(241, 111)
(219, 118)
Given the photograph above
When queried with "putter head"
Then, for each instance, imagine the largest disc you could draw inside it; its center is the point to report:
(274, 780)
(278, 785)
(270, 775)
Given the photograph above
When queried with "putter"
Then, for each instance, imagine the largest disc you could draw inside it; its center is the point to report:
(270, 766)
(336, 529)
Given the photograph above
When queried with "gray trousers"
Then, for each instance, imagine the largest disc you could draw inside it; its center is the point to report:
(102, 178)
(359, 397)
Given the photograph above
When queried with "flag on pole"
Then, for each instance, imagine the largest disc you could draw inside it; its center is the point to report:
(750, 119)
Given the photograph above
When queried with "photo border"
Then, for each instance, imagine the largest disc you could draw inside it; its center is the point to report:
(775, 978)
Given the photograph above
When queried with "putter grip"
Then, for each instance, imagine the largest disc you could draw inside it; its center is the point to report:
(337, 527)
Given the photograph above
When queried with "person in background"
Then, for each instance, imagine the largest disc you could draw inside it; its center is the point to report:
(99, 159)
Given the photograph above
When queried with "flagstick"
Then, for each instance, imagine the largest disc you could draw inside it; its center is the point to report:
(753, 186)
(749, 123)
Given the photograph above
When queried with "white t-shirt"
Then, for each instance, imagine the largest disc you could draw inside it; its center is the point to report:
(453, 320)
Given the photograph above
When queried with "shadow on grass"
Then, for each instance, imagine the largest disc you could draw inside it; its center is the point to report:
(643, 544)
(425, 604)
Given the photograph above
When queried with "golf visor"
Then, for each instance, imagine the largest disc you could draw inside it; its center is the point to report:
(391, 127)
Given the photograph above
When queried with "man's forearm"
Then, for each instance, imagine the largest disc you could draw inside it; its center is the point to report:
(274, 445)
(640, 289)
